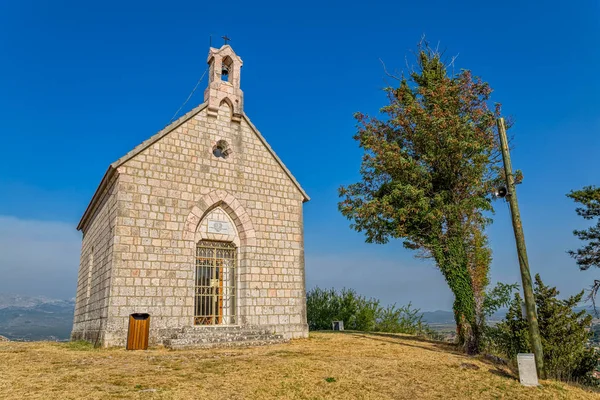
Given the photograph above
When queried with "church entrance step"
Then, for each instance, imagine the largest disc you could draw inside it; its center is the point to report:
(226, 332)
(215, 328)
(222, 336)
(176, 345)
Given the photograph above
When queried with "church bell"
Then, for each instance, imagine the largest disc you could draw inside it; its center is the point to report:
(224, 70)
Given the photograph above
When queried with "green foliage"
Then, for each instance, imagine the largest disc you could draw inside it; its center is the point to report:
(403, 319)
(596, 334)
(427, 172)
(320, 307)
(589, 255)
(325, 306)
(498, 297)
(361, 313)
(511, 336)
(564, 334)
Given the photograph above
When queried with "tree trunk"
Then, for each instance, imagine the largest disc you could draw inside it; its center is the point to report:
(468, 334)
(480, 257)
(455, 266)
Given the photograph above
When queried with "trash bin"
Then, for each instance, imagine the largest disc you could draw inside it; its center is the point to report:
(139, 328)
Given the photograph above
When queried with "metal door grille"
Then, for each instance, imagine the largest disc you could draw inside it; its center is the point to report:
(215, 283)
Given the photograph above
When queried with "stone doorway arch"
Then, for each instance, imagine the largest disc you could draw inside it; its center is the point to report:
(219, 218)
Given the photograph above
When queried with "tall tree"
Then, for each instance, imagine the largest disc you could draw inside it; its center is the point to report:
(589, 255)
(427, 170)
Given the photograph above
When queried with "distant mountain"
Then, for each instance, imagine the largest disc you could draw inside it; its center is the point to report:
(35, 318)
(441, 317)
(15, 300)
(438, 317)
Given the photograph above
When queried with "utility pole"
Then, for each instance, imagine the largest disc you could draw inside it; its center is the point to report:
(534, 330)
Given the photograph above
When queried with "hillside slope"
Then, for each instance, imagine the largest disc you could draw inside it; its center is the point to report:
(325, 366)
(35, 318)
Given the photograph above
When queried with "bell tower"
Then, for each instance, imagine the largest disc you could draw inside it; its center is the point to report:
(224, 82)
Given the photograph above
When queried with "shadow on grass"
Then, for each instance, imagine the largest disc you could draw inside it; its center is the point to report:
(402, 339)
(435, 346)
(502, 373)
(405, 336)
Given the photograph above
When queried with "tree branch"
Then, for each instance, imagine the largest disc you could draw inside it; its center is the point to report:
(387, 73)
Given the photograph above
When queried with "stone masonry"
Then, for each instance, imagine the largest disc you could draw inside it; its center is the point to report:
(155, 204)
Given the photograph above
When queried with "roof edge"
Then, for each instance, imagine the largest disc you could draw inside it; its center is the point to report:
(155, 138)
(96, 197)
(159, 135)
(135, 151)
(287, 171)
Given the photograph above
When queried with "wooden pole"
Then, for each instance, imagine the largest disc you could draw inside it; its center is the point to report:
(534, 330)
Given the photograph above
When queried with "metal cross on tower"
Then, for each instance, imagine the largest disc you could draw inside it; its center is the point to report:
(226, 39)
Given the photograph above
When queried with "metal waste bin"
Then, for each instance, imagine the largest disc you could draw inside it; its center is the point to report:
(139, 328)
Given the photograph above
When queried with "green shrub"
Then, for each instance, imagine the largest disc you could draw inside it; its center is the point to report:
(321, 308)
(565, 334)
(400, 320)
(362, 314)
(325, 306)
(511, 336)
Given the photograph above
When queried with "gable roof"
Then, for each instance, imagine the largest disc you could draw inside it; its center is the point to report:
(155, 138)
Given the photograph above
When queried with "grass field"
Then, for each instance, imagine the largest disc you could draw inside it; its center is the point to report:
(325, 366)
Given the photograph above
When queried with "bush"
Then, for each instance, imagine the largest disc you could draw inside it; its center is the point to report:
(565, 334)
(399, 320)
(511, 336)
(362, 314)
(325, 306)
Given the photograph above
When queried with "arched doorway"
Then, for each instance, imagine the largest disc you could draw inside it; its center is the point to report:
(215, 283)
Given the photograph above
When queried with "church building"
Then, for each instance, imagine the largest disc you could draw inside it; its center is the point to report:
(200, 226)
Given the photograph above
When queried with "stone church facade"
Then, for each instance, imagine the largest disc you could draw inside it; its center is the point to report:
(200, 226)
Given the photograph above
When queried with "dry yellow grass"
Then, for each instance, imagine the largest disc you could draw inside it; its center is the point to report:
(325, 366)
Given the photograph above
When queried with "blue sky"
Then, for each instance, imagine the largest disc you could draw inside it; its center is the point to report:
(81, 83)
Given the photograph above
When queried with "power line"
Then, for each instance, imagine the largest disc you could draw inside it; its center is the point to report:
(189, 97)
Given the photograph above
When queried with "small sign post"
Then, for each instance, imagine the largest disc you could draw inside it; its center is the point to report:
(527, 372)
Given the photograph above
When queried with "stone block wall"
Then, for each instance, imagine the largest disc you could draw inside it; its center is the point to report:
(163, 195)
(94, 278)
